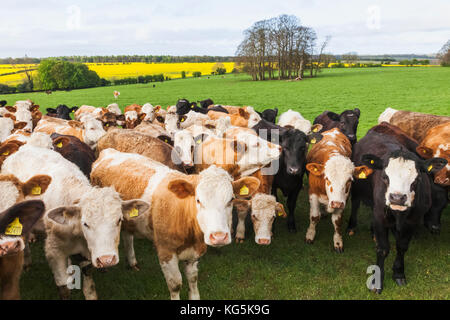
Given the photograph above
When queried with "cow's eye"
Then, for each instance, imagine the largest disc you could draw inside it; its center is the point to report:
(413, 185)
(385, 178)
(85, 225)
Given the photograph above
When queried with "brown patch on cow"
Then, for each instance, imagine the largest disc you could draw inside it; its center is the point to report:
(10, 270)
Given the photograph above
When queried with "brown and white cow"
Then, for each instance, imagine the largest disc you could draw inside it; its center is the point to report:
(187, 212)
(81, 219)
(241, 117)
(331, 173)
(436, 144)
(83, 110)
(415, 124)
(133, 116)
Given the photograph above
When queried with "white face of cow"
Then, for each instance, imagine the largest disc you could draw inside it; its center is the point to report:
(214, 207)
(400, 175)
(264, 210)
(184, 144)
(338, 174)
(93, 130)
(149, 112)
(24, 115)
(254, 117)
(114, 108)
(171, 123)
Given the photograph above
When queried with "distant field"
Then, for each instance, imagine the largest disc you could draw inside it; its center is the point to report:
(113, 71)
(288, 268)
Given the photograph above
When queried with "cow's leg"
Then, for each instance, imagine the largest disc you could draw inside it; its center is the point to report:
(402, 242)
(191, 272)
(314, 217)
(88, 283)
(58, 262)
(432, 219)
(291, 202)
(240, 228)
(128, 243)
(336, 218)
(10, 276)
(173, 276)
(353, 222)
(382, 240)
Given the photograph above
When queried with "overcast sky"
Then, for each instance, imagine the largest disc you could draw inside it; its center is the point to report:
(197, 27)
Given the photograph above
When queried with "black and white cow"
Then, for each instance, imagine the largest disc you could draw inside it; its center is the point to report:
(292, 163)
(399, 193)
(347, 122)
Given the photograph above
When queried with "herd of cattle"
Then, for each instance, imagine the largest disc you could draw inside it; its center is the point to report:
(176, 175)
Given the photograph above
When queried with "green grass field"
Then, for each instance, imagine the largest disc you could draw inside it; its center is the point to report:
(288, 268)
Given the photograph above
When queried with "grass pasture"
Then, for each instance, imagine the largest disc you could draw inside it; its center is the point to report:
(288, 268)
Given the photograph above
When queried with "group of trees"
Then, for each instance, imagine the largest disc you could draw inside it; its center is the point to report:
(444, 55)
(414, 61)
(279, 48)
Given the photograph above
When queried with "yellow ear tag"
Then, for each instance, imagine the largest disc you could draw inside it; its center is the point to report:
(315, 169)
(36, 190)
(372, 162)
(424, 151)
(280, 213)
(14, 228)
(430, 167)
(107, 124)
(182, 120)
(199, 141)
(134, 213)
(315, 130)
(244, 191)
(59, 145)
(5, 153)
(165, 140)
(313, 141)
(362, 175)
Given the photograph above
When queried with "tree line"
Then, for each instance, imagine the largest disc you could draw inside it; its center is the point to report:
(280, 48)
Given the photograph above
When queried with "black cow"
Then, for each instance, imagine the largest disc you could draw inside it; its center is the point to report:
(74, 150)
(399, 192)
(292, 162)
(347, 122)
(269, 114)
(206, 103)
(61, 111)
(3, 103)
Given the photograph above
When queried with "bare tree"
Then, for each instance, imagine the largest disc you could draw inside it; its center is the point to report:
(444, 54)
(350, 58)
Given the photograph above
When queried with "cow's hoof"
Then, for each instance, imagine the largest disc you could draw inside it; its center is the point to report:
(435, 229)
(400, 281)
(134, 268)
(339, 249)
(309, 241)
(377, 291)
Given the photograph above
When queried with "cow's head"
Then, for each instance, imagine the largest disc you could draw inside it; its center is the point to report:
(114, 108)
(97, 217)
(441, 150)
(348, 122)
(338, 173)
(150, 112)
(214, 194)
(93, 130)
(269, 115)
(16, 222)
(184, 144)
(109, 120)
(400, 172)
(251, 116)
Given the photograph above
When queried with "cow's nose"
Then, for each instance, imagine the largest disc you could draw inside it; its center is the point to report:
(263, 241)
(397, 198)
(337, 205)
(9, 247)
(442, 181)
(106, 261)
(188, 165)
(292, 170)
(218, 237)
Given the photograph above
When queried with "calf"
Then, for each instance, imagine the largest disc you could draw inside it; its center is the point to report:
(331, 173)
(269, 115)
(62, 111)
(15, 224)
(187, 212)
(347, 122)
(293, 119)
(146, 145)
(74, 150)
(133, 116)
(20, 114)
(84, 221)
(398, 191)
(291, 165)
(415, 124)
(436, 143)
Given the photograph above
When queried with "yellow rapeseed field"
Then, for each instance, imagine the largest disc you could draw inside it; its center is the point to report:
(113, 71)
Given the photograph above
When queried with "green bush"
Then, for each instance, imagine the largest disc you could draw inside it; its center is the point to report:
(183, 74)
(4, 89)
(196, 74)
(221, 71)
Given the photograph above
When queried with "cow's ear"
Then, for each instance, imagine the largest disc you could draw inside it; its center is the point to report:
(276, 111)
(314, 137)
(362, 172)
(141, 117)
(245, 187)
(9, 115)
(134, 208)
(11, 109)
(160, 119)
(73, 109)
(21, 217)
(315, 168)
(60, 142)
(37, 185)
(433, 165)
(357, 112)
(20, 125)
(67, 215)
(75, 124)
(157, 108)
(333, 116)
(34, 108)
(181, 188)
(9, 148)
(50, 110)
(200, 138)
(372, 161)
(280, 210)
(316, 127)
(166, 139)
(424, 152)
(182, 118)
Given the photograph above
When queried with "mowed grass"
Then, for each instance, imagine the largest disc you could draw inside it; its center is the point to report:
(288, 268)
